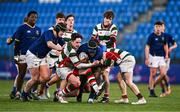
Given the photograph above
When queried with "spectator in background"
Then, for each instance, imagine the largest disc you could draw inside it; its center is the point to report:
(24, 36)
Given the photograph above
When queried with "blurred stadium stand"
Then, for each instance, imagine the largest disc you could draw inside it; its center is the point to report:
(88, 14)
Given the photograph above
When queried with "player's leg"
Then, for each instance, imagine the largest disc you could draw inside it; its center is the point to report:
(134, 88)
(105, 98)
(162, 69)
(153, 66)
(97, 73)
(18, 82)
(83, 80)
(74, 84)
(43, 78)
(22, 67)
(123, 88)
(29, 84)
(162, 85)
(152, 81)
(33, 63)
(166, 79)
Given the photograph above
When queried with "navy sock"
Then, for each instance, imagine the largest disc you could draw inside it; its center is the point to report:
(25, 94)
(163, 90)
(92, 95)
(167, 84)
(152, 91)
(14, 89)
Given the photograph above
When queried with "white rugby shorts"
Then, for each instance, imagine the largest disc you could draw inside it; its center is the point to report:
(156, 61)
(33, 61)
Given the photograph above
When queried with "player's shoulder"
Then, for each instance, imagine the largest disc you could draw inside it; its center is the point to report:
(47, 33)
(69, 48)
(113, 25)
(83, 47)
(23, 26)
(37, 27)
(98, 25)
(152, 35)
(167, 35)
(75, 31)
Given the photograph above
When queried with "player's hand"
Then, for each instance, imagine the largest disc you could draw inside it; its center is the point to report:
(96, 62)
(57, 53)
(169, 50)
(59, 47)
(101, 61)
(102, 43)
(9, 40)
(147, 61)
(166, 57)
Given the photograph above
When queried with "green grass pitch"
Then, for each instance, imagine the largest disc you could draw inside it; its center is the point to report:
(169, 103)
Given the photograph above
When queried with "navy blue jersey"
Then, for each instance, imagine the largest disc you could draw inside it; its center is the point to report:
(24, 37)
(170, 40)
(156, 44)
(40, 48)
(86, 49)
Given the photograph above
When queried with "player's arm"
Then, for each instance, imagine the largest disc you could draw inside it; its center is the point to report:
(113, 36)
(16, 36)
(48, 38)
(9, 40)
(95, 33)
(147, 48)
(147, 54)
(166, 51)
(51, 45)
(174, 44)
(75, 60)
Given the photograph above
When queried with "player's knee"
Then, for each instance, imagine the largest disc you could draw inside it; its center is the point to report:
(44, 78)
(21, 76)
(35, 79)
(107, 82)
(77, 84)
(118, 78)
(129, 83)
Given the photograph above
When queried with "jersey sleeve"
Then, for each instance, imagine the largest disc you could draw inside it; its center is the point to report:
(94, 33)
(171, 40)
(48, 36)
(149, 40)
(114, 32)
(61, 41)
(74, 58)
(18, 34)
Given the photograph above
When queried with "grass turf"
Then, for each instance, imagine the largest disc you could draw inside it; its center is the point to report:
(169, 103)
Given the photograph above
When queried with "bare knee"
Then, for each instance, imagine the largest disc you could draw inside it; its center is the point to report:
(77, 83)
(44, 78)
(35, 79)
(129, 83)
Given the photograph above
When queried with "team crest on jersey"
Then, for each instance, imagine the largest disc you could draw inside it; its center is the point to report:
(107, 33)
(163, 38)
(115, 33)
(28, 31)
(65, 34)
(37, 32)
